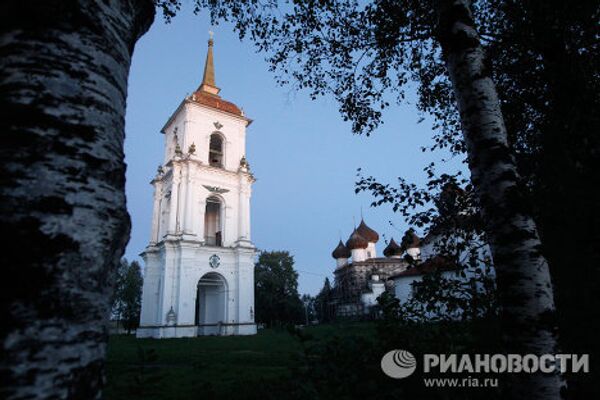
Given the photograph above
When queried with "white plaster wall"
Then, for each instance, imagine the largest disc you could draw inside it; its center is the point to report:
(414, 252)
(403, 287)
(182, 191)
(185, 264)
(340, 262)
(199, 124)
(177, 256)
(428, 250)
(359, 255)
(151, 288)
(371, 251)
(370, 298)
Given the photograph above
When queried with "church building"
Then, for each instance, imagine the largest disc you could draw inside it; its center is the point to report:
(199, 264)
(361, 275)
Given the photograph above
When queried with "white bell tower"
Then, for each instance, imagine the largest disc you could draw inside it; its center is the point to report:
(199, 264)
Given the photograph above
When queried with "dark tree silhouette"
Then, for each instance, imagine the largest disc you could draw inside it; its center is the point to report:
(545, 62)
(127, 300)
(64, 223)
(322, 303)
(276, 295)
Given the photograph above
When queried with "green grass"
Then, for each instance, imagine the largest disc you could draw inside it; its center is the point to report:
(219, 366)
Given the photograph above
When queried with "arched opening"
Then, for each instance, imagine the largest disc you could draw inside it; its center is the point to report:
(211, 304)
(215, 154)
(212, 222)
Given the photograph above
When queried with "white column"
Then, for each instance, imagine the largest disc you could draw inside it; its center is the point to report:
(244, 209)
(182, 197)
(182, 200)
(193, 207)
(188, 226)
(165, 294)
(156, 212)
(199, 219)
(247, 214)
(174, 201)
(241, 231)
(189, 138)
(227, 231)
(170, 283)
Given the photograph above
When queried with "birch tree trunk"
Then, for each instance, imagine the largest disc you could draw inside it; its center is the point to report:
(63, 88)
(523, 280)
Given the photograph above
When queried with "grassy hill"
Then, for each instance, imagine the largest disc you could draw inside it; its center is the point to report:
(206, 367)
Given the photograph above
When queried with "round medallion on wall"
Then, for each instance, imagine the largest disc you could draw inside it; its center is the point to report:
(214, 261)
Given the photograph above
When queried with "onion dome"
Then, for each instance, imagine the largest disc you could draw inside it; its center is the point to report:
(356, 241)
(369, 234)
(341, 251)
(410, 239)
(392, 249)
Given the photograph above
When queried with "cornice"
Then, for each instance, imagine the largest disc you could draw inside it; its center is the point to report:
(168, 172)
(188, 100)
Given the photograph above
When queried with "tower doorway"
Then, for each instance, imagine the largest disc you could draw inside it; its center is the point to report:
(211, 304)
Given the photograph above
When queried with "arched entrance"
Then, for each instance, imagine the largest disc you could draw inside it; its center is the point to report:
(211, 304)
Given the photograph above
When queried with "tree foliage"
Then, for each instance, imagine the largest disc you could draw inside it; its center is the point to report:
(309, 308)
(545, 62)
(276, 296)
(127, 297)
(322, 303)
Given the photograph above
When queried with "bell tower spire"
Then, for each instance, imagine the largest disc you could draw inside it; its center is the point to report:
(201, 222)
(208, 80)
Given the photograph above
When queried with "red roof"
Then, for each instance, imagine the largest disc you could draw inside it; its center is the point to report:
(213, 101)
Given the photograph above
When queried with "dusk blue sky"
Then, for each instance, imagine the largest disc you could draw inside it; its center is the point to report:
(302, 153)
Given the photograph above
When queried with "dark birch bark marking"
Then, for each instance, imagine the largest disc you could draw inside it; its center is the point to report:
(65, 65)
(523, 279)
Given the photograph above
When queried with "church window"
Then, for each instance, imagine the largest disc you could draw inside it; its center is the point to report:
(215, 155)
(212, 222)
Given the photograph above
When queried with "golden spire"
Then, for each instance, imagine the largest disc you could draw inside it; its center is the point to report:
(208, 80)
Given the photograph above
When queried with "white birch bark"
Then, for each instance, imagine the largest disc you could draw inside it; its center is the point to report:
(523, 279)
(64, 223)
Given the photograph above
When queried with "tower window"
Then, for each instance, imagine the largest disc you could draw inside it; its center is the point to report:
(215, 155)
(212, 222)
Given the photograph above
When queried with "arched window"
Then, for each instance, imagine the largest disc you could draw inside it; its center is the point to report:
(215, 154)
(212, 222)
